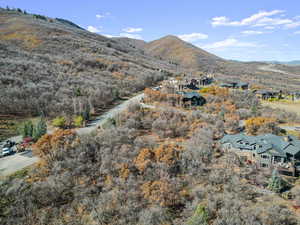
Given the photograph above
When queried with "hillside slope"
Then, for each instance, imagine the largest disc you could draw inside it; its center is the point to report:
(52, 66)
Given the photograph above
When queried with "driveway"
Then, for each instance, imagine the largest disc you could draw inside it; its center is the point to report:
(18, 161)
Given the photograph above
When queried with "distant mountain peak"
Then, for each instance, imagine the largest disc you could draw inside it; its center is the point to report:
(177, 51)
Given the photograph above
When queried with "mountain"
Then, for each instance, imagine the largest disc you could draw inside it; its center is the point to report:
(53, 66)
(179, 52)
(290, 63)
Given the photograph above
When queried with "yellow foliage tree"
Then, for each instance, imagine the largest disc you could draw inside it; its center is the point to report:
(255, 124)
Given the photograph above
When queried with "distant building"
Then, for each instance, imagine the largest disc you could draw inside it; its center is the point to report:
(295, 96)
(266, 94)
(237, 85)
(196, 83)
(192, 99)
(265, 150)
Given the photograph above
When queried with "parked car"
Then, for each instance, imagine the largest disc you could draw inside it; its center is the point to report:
(24, 145)
(6, 151)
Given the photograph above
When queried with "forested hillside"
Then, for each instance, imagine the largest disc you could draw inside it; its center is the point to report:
(49, 66)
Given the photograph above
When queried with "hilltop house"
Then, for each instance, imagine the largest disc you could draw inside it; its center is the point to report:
(265, 150)
(196, 83)
(235, 85)
(192, 99)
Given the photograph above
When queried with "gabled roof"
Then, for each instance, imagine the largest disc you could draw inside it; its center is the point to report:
(264, 143)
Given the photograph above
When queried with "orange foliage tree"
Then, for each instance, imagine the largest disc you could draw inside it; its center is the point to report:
(48, 145)
(165, 153)
(161, 192)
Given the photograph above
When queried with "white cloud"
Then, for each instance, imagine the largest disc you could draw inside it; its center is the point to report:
(230, 42)
(132, 30)
(294, 24)
(224, 21)
(269, 27)
(94, 29)
(133, 36)
(297, 32)
(193, 37)
(267, 21)
(252, 32)
(98, 16)
(101, 16)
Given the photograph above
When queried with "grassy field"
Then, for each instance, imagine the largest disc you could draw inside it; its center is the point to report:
(287, 106)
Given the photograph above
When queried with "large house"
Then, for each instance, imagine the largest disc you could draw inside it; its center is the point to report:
(266, 150)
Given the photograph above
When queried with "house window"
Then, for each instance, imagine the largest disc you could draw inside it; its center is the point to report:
(277, 159)
(253, 154)
(264, 165)
(264, 156)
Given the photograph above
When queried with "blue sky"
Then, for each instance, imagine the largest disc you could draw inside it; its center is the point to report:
(233, 29)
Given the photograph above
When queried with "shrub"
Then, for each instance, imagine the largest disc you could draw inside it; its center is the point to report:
(200, 217)
(78, 121)
(59, 121)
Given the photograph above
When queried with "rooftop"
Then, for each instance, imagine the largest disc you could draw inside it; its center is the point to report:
(263, 143)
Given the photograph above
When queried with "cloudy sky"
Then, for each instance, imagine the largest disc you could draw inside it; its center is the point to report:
(233, 29)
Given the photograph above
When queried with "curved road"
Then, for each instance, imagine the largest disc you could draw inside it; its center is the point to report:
(18, 161)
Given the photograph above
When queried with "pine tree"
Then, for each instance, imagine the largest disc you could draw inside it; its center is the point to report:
(26, 129)
(276, 183)
(40, 129)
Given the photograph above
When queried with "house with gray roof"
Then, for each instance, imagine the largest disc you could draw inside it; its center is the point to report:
(236, 85)
(266, 94)
(192, 98)
(266, 150)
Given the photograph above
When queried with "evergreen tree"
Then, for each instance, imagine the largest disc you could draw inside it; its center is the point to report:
(40, 129)
(276, 183)
(26, 129)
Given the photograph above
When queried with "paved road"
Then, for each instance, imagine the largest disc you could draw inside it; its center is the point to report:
(18, 161)
(101, 120)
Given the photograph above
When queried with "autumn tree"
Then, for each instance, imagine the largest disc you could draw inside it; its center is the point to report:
(49, 145)
(259, 125)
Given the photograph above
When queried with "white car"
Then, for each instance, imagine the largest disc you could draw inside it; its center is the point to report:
(6, 151)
